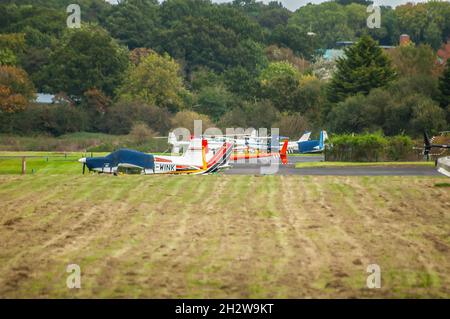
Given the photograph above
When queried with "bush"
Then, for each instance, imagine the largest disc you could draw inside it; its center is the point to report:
(51, 119)
(141, 133)
(400, 147)
(257, 114)
(292, 125)
(105, 147)
(351, 115)
(369, 148)
(185, 119)
(357, 148)
(119, 118)
(261, 114)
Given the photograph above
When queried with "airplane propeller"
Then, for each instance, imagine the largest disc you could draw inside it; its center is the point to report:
(428, 145)
(83, 160)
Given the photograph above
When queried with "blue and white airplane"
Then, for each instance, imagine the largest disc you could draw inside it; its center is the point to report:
(313, 146)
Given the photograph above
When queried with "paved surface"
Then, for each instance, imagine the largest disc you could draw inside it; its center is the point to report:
(263, 167)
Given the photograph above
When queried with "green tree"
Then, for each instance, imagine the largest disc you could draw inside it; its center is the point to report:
(444, 87)
(7, 57)
(96, 104)
(433, 35)
(156, 80)
(411, 60)
(242, 82)
(350, 116)
(260, 114)
(120, 117)
(296, 38)
(214, 101)
(330, 23)
(204, 77)
(279, 69)
(280, 83)
(134, 22)
(86, 58)
(427, 115)
(364, 67)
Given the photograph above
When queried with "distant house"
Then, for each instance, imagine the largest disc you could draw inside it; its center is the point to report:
(387, 47)
(333, 54)
(42, 98)
(338, 51)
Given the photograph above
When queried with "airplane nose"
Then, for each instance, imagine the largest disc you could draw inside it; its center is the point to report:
(82, 160)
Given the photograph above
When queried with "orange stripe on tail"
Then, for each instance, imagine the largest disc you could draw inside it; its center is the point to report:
(283, 151)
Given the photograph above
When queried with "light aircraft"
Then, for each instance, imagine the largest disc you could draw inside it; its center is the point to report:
(247, 155)
(293, 145)
(242, 142)
(313, 146)
(443, 163)
(243, 148)
(198, 159)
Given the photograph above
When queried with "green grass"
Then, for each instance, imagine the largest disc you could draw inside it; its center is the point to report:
(345, 164)
(45, 162)
(442, 185)
(40, 166)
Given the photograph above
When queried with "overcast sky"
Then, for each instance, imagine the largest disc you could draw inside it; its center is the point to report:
(295, 4)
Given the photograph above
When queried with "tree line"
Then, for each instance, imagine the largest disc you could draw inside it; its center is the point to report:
(239, 64)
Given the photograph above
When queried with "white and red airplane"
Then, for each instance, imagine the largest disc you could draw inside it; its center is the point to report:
(198, 159)
(244, 143)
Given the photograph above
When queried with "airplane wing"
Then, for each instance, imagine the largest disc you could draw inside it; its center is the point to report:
(443, 165)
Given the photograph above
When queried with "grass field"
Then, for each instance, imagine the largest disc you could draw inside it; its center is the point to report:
(221, 236)
(45, 162)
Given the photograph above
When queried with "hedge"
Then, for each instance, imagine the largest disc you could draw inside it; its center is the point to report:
(369, 148)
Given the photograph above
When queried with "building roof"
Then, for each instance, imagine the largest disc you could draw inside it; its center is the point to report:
(333, 54)
(44, 98)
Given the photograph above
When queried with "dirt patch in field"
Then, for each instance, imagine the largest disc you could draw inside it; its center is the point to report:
(224, 236)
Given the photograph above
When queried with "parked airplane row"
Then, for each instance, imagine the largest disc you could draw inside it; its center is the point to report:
(254, 143)
(199, 158)
(214, 153)
(204, 155)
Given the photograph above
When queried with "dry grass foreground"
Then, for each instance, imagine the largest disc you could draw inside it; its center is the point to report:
(223, 236)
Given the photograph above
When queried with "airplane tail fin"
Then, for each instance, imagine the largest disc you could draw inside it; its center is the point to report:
(283, 152)
(304, 137)
(172, 139)
(204, 151)
(194, 152)
(323, 138)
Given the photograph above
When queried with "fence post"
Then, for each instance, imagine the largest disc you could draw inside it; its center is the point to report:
(24, 165)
